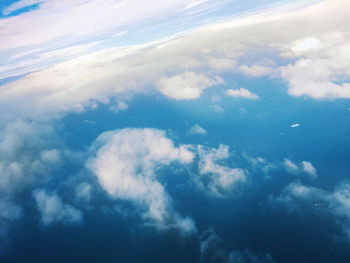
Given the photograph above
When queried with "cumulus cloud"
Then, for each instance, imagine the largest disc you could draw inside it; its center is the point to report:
(322, 66)
(53, 210)
(186, 86)
(241, 93)
(304, 167)
(215, 178)
(336, 203)
(309, 168)
(196, 129)
(290, 166)
(27, 154)
(126, 165)
(212, 249)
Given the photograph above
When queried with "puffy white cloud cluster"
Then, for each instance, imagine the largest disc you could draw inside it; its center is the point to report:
(336, 203)
(28, 154)
(322, 67)
(304, 167)
(215, 178)
(126, 165)
(53, 210)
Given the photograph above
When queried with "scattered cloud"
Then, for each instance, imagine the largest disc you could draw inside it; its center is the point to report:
(212, 249)
(126, 165)
(309, 168)
(214, 177)
(336, 203)
(53, 210)
(120, 106)
(196, 129)
(28, 153)
(290, 166)
(304, 167)
(218, 108)
(241, 93)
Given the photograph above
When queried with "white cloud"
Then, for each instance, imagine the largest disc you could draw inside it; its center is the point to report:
(256, 70)
(53, 210)
(214, 178)
(309, 168)
(96, 77)
(290, 166)
(120, 106)
(126, 164)
(212, 249)
(85, 19)
(321, 68)
(303, 167)
(241, 93)
(306, 45)
(27, 154)
(186, 86)
(83, 191)
(196, 129)
(295, 125)
(336, 203)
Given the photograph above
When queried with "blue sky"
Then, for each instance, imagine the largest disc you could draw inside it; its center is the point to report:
(177, 131)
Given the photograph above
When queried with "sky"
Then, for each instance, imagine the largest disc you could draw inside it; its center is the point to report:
(175, 131)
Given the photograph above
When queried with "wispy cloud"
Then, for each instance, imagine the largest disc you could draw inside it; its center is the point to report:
(196, 129)
(241, 93)
(336, 203)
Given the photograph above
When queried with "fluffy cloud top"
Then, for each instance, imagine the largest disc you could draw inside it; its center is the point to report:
(126, 164)
(53, 210)
(186, 86)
